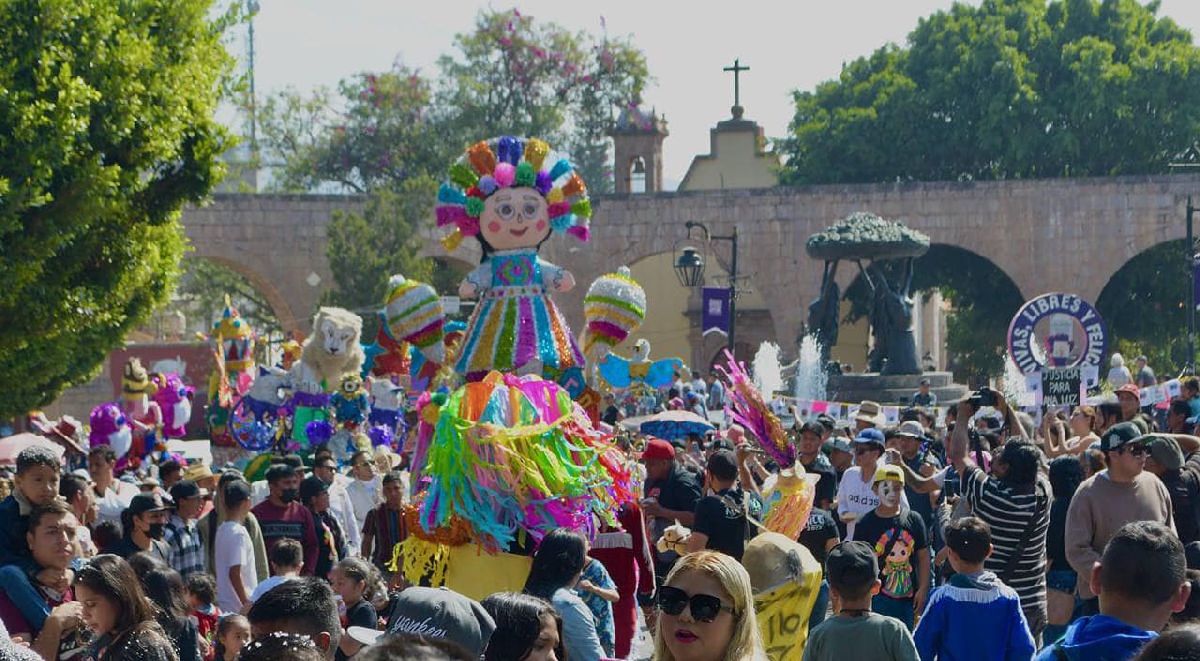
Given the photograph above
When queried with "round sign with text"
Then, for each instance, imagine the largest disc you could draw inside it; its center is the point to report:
(1056, 331)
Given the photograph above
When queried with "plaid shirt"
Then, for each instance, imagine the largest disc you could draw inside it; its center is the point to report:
(186, 555)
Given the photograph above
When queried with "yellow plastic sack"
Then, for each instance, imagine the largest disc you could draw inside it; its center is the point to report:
(785, 578)
(474, 573)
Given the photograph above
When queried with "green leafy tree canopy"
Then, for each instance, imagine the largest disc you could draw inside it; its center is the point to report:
(1009, 89)
(392, 135)
(108, 114)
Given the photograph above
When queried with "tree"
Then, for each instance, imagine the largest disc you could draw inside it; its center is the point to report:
(389, 135)
(1144, 306)
(367, 248)
(1010, 89)
(516, 76)
(205, 284)
(108, 130)
(384, 134)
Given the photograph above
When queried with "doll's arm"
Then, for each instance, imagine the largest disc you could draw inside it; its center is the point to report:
(476, 282)
(556, 278)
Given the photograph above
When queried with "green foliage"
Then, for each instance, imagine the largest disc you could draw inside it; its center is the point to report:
(367, 248)
(1144, 306)
(107, 111)
(205, 284)
(382, 136)
(512, 75)
(1010, 89)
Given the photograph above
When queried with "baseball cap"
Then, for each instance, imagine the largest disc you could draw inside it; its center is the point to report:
(888, 472)
(722, 464)
(186, 489)
(145, 502)
(657, 448)
(911, 429)
(1165, 451)
(851, 564)
(311, 487)
(870, 435)
(1130, 389)
(1120, 435)
(435, 613)
(813, 427)
(840, 443)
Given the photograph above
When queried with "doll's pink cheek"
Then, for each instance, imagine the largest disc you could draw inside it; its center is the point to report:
(541, 225)
(494, 226)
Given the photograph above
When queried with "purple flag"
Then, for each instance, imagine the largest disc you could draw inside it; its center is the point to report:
(715, 311)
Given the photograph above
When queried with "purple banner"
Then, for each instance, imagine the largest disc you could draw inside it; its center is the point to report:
(715, 311)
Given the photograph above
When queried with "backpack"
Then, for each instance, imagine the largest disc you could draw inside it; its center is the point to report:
(748, 507)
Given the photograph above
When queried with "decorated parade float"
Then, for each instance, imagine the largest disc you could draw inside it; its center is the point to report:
(499, 418)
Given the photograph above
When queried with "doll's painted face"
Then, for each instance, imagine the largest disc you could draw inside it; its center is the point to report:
(514, 218)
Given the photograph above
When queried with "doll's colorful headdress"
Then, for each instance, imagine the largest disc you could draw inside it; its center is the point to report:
(506, 162)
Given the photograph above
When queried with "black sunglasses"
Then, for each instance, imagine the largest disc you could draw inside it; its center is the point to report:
(1136, 450)
(704, 607)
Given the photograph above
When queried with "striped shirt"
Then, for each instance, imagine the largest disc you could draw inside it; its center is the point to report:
(1008, 513)
(387, 528)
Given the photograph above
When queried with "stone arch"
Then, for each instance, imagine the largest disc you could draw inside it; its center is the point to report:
(1144, 303)
(978, 287)
(262, 283)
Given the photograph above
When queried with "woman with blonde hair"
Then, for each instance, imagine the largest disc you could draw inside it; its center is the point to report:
(707, 612)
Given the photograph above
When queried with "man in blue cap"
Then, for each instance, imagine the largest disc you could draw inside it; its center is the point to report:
(855, 496)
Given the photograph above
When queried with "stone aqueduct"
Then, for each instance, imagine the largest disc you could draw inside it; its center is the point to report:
(1046, 235)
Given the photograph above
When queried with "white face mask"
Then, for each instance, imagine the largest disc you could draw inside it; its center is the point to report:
(121, 441)
(182, 412)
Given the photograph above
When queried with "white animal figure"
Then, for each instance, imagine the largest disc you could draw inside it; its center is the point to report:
(332, 350)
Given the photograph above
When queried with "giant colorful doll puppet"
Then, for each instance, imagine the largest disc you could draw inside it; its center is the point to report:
(109, 426)
(143, 413)
(233, 349)
(511, 194)
(175, 400)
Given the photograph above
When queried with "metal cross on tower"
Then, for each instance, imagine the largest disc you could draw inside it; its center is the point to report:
(737, 70)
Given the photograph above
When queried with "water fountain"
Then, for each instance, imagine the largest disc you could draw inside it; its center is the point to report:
(767, 373)
(811, 379)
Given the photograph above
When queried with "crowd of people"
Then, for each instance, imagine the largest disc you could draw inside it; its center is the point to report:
(978, 536)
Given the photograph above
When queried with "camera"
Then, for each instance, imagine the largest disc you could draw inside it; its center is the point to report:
(982, 397)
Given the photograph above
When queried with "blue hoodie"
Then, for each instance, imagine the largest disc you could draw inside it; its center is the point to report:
(1099, 638)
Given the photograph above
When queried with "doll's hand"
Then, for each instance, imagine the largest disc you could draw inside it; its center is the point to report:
(467, 289)
(564, 282)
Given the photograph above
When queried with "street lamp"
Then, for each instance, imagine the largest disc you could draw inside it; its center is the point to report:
(689, 268)
(1188, 366)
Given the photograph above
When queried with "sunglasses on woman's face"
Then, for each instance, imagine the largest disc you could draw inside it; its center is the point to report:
(704, 607)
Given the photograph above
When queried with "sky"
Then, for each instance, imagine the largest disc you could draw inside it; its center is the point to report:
(788, 45)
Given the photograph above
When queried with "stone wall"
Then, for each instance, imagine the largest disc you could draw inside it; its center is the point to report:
(1047, 235)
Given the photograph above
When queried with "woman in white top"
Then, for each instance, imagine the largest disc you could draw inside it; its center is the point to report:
(1118, 375)
(365, 488)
